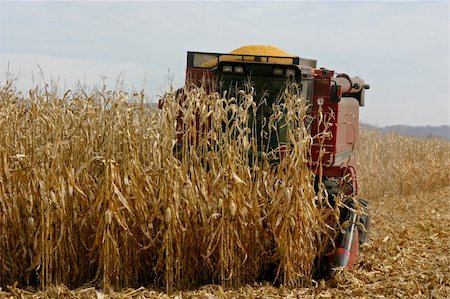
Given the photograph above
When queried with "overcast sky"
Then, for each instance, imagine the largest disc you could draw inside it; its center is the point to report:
(400, 48)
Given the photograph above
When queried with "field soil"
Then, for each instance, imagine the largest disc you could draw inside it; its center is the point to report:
(408, 257)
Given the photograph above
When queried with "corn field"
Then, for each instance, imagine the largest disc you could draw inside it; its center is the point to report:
(92, 193)
(392, 164)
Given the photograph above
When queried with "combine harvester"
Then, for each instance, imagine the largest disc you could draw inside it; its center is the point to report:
(339, 96)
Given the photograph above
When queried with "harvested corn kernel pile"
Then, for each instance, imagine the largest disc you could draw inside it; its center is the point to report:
(257, 50)
(262, 50)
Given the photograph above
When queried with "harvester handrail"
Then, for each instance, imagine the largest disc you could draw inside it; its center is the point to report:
(256, 58)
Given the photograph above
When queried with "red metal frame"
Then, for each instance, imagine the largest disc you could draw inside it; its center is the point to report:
(342, 121)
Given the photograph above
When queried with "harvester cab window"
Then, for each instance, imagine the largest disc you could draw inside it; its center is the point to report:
(202, 60)
(268, 83)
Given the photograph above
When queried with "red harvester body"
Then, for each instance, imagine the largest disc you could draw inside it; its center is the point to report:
(337, 97)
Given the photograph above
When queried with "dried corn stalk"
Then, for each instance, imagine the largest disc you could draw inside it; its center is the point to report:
(91, 191)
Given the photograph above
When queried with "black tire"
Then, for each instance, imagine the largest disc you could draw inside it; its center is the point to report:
(364, 219)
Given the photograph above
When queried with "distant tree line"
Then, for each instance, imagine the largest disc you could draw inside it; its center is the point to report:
(417, 131)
